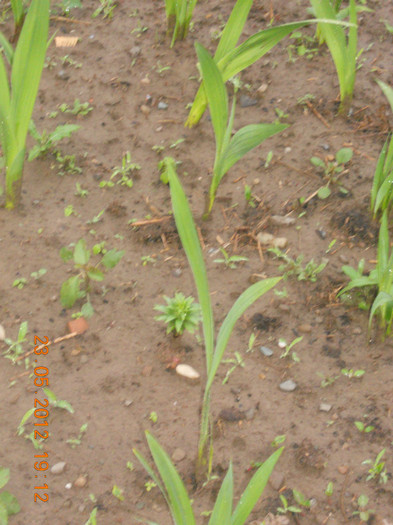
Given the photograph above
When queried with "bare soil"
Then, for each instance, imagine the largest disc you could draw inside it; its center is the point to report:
(116, 373)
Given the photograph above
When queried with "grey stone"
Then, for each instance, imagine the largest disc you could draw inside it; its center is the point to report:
(282, 220)
(288, 385)
(162, 105)
(58, 468)
(266, 351)
(178, 454)
(325, 407)
(246, 101)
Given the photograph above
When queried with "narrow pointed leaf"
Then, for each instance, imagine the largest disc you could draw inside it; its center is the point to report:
(233, 28)
(177, 495)
(387, 90)
(247, 298)
(216, 94)
(382, 299)
(190, 241)
(222, 510)
(255, 489)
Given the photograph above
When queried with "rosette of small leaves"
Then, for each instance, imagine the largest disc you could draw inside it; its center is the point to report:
(179, 313)
(78, 286)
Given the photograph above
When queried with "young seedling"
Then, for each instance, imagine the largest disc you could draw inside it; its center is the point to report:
(153, 417)
(288, 348)
(327, 380)
(229, 149)
(179, 313)
(364, 429)
(235, 362)
(350, 373)
(377, 470)
(118, 493)
(122, 173)
(66, 60)
(286, 507)
(251, 342)
(106, 8)
(214, 349)
(147, 259)
(302, 46)
(75, 442)
(278, 440)
(250, 198)
(364, 513)
(294, 266)
(57, 403)
(382, 189)
(230, 261)
(179, 15)
(15, 348)
(79, 286)
(47, 143)
(80, 192)
(19, 283)
(38, 274)
(179, 502)
(332, 170)
(380, 277)
(343, 48)
(79, 108)
(8, 503)
(17, 96)
(329, 489)
(37, 443)
(67, 164)
(92, 518)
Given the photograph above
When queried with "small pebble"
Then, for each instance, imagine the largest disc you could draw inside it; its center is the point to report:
(250, 414)
(343, 469)
(128, 402)
(135, 51)
(325, 407)
(177, 272)
(282, 220)
(280, 242)
(282, 344)
(80, 482)
(262, 88)
(2, 333)
(178, 454)
(145, 110)
(326, 147)
(284, 307)
(63, 75)
(287, 150)
(343, 258)
(266, 351)
(58, 468)
(246, 101)
(162, 105)
(321, 234)
(84, 359)
(145, 81)
(187, 371)
(288, 386)
(68, 486)
(304, 328)
(357, 330)
(265, 238)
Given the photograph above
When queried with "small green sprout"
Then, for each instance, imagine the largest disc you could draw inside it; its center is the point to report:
(79, 108)
(287, 508)
(80, 192)
(74, 442)
(149, 485)
(19, 283)
(118, 493)
(278, 440)
(363, 512)
(180, 313)
(237, 361)
(377, 469)
(350, 373)
(153, 417)
(329, 489)
(364, 429)
(8, 503)
(230, 261)
(38, 274)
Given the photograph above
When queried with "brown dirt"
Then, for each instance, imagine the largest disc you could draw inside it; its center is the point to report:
(124, 354)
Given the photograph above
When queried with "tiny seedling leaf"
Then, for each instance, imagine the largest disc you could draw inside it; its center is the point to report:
(81, 253)
(344, 155)
(10, 503)
(70, 291)
(4, 476)
(324, 192)
(111, 258)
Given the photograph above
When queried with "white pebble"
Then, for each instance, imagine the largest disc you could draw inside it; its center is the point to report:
(2, 333)
(58, 468)
(187, 371)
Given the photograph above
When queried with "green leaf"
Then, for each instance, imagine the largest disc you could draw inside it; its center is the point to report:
(50, 395)
(318, 162)
(324, 192)
(4, 476)
(111, 258)
(247, 298)
(10, 502)
(179, 501)
(62, 132)
(387, 90)
(81, 253)
(254, 489)
(190, 241)
(27, 415)
(344, 155)
(95, 274)
(87, 310)
(233, 28)
(222, 510)
(70, 291)
(66, 254)
(216, 95)
(381, 300)
(22, 331)
(3, 514)
(65, 405)
(245, 140)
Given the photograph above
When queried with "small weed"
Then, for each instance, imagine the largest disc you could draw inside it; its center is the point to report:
(377, 469)
(251, 342)
(287, 508)
(79, 108)
(235, 362)
(106, 8)
(79, 191)
(288, 348)
(47, 142)
(180, 313)
(78, 286)
(363, 513)
(57, 403)
(327, 380)
(302, 46)
(230, 261)
(350, 373)
(153, 417)
(161, 69)
(19, 283)
(139, 29)
(66, 60)
(92, 518)
(278, 440)
(8, 503)
(67, 164)
(158, 149)
(332, 169)
(37, 443)
(249, 196)
(123, 171)
(69, 210)
(15, 348)
(149, 485)
(147, 259)
(364, 429)
(118, 493)
(268, 160)
(75, 442)
(294, 266)
(38, 274)
(130, 466)
(329, 489)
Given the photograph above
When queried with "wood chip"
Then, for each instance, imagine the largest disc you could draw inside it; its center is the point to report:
(66, 41)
